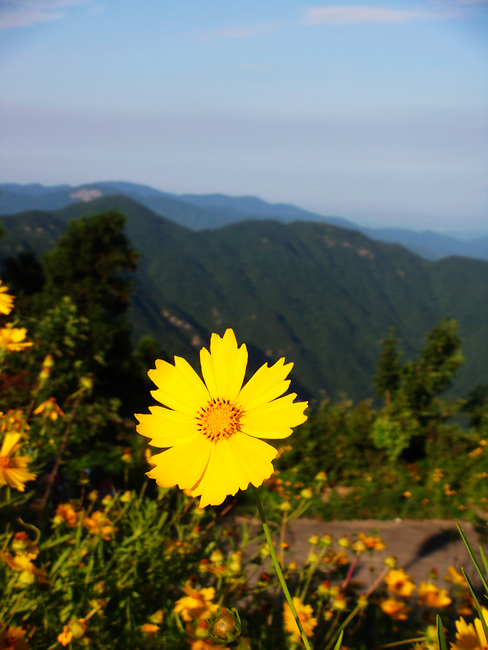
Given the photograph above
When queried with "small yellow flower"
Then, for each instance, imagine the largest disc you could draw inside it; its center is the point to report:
(469, 637)
(6, 301)
(305, 613)
(455, 577)
(99, 524)
(12, 338)
(50, 409)
(407, 494)
(373, 543)
(213, 430)
(196, 604)
(13, 469)
(399, 583)
(65, 637)
(150, 629)
(66, 512)
(433, 596)
(313, 540)
(395, 608)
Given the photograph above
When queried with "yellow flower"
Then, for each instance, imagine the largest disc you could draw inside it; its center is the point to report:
(395, 608)
(100, 524)
(12, 338)
(50, 409)
(65, 637)
(399, 583)
(13, 638)
(213, 429)
(455, 577)
(150, 629)
(469, 637)
(13, 469)
(6, 301)
(304, 614)
(433, 596)
(374, 543)
(196, 604)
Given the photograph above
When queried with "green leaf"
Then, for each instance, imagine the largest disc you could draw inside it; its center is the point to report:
(339, 641)
(441, 639)
(473, 557)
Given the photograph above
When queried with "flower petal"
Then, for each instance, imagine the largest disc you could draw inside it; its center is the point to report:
(183, 465)
(265, 385)
(167, 428)
(10, 444)
(179, 386)
(224, 367)
(234, 464)
(275, 419)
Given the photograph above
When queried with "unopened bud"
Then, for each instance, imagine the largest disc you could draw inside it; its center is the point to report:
(226, 625)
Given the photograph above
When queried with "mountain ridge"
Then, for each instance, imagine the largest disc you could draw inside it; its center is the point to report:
(198, 212)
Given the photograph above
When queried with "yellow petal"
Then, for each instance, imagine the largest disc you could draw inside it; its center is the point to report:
(234, 464)
(275, 419)
(224, 367)
(179, 386)
(265, 385)
(167, 428)
(10, 444)
(182, 465)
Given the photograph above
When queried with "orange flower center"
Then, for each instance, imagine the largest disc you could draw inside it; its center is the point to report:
(220, 419)
(6, 462)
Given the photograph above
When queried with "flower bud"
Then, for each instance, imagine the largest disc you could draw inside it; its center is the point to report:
(285, 506)
(314, 540)
(390, 561)
(344, 541)
(306, 493)
(226, 625)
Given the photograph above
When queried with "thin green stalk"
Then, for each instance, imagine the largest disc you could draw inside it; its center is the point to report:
(278, 570)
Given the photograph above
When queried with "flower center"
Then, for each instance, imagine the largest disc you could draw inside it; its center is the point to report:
(6, 462)
(219, 419)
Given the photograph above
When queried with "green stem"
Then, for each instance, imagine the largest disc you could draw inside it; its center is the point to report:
(278, 570)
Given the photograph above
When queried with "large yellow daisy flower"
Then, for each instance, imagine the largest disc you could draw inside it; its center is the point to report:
(13, 469)
(469, 637)
(213, 428)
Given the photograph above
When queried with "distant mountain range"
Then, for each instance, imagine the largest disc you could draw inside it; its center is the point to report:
(211, 211)
(320, 295)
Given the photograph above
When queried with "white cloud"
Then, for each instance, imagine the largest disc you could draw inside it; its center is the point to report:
(239, 32)
(23, 13)
(356, 15)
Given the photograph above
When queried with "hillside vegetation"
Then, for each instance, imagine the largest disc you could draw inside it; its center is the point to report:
(320, 295)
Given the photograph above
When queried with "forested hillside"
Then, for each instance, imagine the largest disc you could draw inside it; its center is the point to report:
(320, 295)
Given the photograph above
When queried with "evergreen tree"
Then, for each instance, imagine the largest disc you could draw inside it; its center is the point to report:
(387, 378)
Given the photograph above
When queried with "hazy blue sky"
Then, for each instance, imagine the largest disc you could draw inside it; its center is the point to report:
(375, 111)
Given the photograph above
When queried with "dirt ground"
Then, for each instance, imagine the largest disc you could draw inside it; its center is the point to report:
(419, 545)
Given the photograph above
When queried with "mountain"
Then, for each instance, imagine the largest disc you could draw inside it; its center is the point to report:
(319, 295)
(210, 211)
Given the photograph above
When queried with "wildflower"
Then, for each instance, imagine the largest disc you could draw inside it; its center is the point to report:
(433, 596)
(22, 562)
(99, 524)
(65, 512)
(214, 428)
(407, 494)
(126, 497)
(196, 604)
(304, 614)
(12, 338)
(13, 638)
(390, 561)
(157, 617)
(455, 577)
(150, 629)
(321, 477)
(399, 583)
(373, 543)
(344, 541)
(306, 493)
(469, 637)
(314, 540)
(50, 409)
(13, 469)
(65, 637)
(395, 608)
